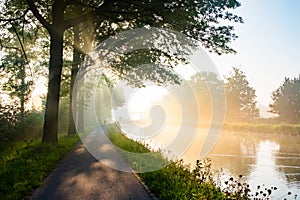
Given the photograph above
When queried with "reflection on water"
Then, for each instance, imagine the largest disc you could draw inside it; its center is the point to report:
(269, 159)
(265, 160)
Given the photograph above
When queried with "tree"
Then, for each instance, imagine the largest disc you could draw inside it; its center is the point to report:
(20, 66)
(240, 98)
(210, 94)
(286, 100)
(17, 84)
(83, 36)
(197, 19)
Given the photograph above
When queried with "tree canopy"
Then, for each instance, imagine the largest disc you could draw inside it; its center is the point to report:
(209, 91)
(240, 98)
(286, 100)
(198, 20)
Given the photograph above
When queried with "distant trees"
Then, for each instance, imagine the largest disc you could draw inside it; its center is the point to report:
(286, 101)
(241, 105)
(240, 98)
(209, 90)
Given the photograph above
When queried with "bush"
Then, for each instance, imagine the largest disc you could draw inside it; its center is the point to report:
(8, 121)
(16, 126)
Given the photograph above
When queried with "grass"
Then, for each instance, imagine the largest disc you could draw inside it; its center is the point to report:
(176, 180)
(140, 158)
(282, 128)
(25, 165)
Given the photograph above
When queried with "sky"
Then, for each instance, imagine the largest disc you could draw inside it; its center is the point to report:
(268, 47)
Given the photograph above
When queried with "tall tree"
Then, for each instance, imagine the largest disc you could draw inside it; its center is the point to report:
(240, 98)
(208, 88)
(73, 93)
(197, 19)
(286, 100)
(16, 84)
(20, 65)
(83, 42)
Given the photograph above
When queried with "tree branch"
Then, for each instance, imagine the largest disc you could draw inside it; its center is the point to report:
(90, 6)
(15, 19)
(78, 2)
(7, 47)
(102, 8)
(39, 17)
(77, 20)
(19, 39)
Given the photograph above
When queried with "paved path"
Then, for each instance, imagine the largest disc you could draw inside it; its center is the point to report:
(80, 176)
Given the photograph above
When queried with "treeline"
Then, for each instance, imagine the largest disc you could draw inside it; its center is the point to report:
(241, 105)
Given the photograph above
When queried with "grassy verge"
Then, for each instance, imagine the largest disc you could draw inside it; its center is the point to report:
(25, 165)
(293, 129)
(176, 180)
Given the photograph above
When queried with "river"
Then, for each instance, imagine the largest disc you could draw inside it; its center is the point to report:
(265, 160)
(269, 159)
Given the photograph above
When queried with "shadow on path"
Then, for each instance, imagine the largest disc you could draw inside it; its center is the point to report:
(80, 176)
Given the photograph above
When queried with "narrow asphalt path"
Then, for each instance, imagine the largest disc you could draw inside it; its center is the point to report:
(80, 176)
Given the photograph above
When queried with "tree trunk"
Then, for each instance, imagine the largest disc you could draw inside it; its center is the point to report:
(80, 123)
(73, 94)
(23, 90)
(50, 130)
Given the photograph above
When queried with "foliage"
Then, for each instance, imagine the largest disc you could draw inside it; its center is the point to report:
(16, 84)
(177, 181)
(286, 101)
(209, 90)
(23, 168)
(8, 121)
(240, 98)
(16, 126)
(199, 20)
(23, 57)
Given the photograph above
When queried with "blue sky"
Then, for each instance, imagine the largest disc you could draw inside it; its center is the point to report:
(268, 45)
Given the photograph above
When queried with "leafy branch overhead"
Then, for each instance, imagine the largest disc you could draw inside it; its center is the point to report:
(197, 19)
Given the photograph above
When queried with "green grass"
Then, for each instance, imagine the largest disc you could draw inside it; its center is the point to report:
(281, 128)
(175, 180)
(140, 158)
(25, 165)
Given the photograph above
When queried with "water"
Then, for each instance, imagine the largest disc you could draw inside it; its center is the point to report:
(265, 160)
(268, 160)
